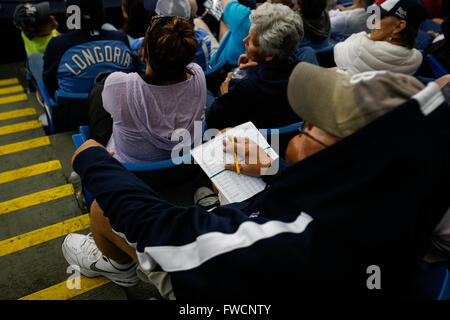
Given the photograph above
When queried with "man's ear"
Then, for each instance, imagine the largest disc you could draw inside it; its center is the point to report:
(54, 22)
(401, 25)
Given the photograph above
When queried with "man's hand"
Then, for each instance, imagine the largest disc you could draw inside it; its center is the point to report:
(256, 159)
(226, 83)
(244, 62)
(442, 81)
(88, 144)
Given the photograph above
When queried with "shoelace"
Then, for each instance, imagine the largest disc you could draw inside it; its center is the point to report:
(89, 248)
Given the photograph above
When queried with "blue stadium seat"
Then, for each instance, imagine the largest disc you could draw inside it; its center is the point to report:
(158, 175)
(432, 283)
(346, 4)
(424, 80)
(49, 104)
(281, 135)
(438, 69)
(65, 108)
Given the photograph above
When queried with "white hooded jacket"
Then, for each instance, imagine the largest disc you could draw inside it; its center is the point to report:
(360, 54)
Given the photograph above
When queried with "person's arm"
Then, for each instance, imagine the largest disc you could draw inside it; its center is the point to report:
(225, 3)
(52, 57)
(234, 14)
(229, 109)
(153, 226)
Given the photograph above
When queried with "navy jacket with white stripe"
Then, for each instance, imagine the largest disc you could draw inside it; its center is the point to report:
(371, 199)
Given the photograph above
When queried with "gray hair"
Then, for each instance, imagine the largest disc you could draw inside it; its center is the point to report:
(280, 29)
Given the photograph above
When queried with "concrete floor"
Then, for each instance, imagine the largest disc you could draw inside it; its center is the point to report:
(36, 268)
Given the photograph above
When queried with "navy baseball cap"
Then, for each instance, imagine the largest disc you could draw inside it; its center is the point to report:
(412, 11)
(30, 14)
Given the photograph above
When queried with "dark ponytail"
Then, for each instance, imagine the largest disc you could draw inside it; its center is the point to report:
(170, 45)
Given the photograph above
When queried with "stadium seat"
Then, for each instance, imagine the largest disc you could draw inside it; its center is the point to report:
(425, 80)
(49, 104)
(158, 175)
(346, 4)
(66, 112)
(437, 68)
(432, 283)
(281, 135)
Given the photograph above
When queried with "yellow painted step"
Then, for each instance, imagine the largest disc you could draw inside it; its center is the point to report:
(24, 145)
(36, 198)
(18, 127)
(29, 171)
(8, 82)
(68, 289)
(45, 234)
(17, 113)
(14, 98)
(12, 89)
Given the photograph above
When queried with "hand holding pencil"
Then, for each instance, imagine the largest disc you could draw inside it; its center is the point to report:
(256, 159)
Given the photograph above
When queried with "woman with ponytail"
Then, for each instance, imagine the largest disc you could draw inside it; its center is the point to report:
(146, 110)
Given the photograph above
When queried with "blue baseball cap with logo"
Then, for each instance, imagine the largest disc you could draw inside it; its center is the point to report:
(412, 11)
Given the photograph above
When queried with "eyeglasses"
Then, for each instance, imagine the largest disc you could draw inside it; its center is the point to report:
(301, 131)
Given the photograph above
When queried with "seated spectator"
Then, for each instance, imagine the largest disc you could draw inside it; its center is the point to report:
(236, 16)
(389, 47)
(73, 60)
(136, 19)
(316, 22)
(317, 220)
(346, 21)
(171, 95)
(428, 31)
(186, 9)
(260, 96)
(37, 28)
(441, 49)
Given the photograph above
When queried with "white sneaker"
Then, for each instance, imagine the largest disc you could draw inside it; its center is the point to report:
(81, 250)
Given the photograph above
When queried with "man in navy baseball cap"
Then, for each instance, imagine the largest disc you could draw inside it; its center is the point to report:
(412, 11)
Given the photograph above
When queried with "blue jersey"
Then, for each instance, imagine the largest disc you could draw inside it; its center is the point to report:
(72, 61)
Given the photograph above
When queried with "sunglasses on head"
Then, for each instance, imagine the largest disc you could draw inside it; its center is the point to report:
(155, 20)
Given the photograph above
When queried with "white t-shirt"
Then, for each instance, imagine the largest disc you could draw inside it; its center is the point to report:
(145, 116)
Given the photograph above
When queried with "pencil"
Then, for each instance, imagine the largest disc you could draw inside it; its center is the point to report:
(237, 163)
(236, 159)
